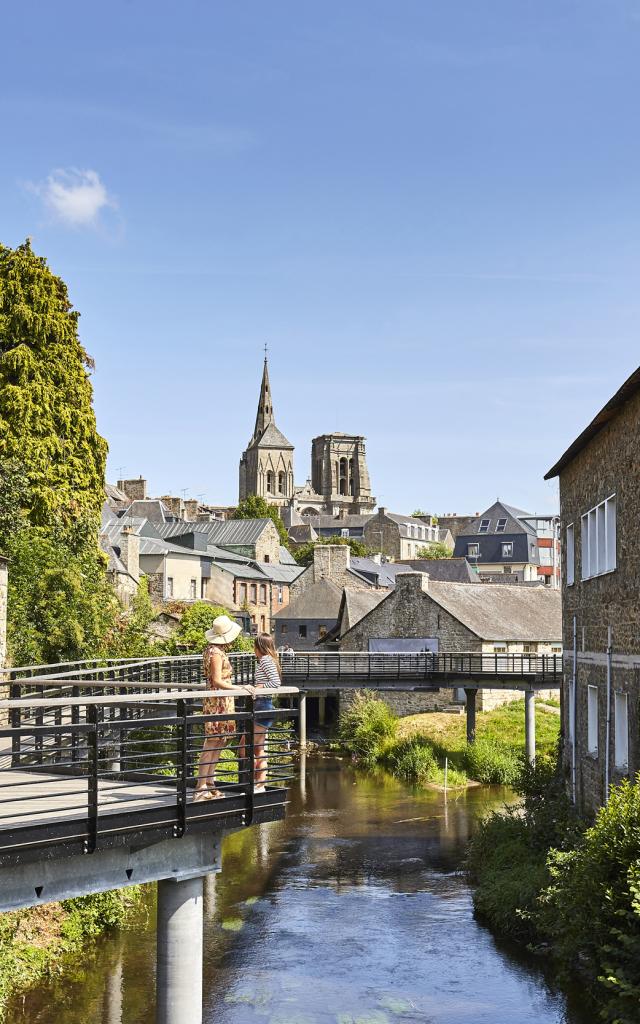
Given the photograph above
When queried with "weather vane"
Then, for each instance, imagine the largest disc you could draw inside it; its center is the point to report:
(266, 349)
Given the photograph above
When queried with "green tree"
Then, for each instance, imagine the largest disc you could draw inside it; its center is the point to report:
(255, 507)
(14, 499)
(46, 413)
(60, 603)
(304, 554)
(189, 637)
(129, 637)
(435, 549)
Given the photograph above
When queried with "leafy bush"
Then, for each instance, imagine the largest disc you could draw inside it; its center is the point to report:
(591, 908)
(366, 727)
(412, 760)
(492, 763)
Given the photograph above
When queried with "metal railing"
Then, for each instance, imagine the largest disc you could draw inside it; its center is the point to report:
(359, 667)
(88, 770)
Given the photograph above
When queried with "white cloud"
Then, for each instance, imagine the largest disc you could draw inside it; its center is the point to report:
(74, 197)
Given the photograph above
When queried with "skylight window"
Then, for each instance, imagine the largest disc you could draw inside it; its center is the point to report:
(501, 525)
(484, 525)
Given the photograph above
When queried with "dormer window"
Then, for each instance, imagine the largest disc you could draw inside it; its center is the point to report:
(473, 550)
(501, 525)
(507, 549)
(484, 525)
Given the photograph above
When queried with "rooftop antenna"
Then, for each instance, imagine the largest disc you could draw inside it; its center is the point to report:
(183, 492)
(120, 471)
(266, 351)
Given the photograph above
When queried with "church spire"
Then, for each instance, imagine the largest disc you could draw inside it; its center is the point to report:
(265, 405)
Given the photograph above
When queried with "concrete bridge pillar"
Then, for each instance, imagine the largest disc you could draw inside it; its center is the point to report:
(179, 952)
(302, 720)
(530, 725)
(471, 713)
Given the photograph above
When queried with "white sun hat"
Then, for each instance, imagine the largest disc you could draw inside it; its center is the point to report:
(223, 630)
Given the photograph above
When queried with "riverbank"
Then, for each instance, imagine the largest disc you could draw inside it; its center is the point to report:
(40, 942)
(567, 890)
(414, 748)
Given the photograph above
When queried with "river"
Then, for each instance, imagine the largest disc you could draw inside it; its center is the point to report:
(352, 911)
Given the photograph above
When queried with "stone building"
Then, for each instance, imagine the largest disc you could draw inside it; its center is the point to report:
(339, 477)
(599, 509)
(398, 537)
(424, 615)
(266, 466)
(504, 540)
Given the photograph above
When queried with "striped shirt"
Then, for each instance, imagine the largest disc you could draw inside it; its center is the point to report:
(267, 674)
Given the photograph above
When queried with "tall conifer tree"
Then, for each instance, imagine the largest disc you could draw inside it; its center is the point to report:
(47, 420)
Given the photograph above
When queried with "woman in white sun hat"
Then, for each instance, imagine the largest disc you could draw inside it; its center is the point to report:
(217, 672)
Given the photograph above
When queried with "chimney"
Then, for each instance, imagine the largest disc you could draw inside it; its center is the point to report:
(135, 490)
(413, 582)
(331, 562)
(382, 511)
(191, 507)
(175, 505)
(130, 551)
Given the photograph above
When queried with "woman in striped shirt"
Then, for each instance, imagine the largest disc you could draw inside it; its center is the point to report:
(268, 677)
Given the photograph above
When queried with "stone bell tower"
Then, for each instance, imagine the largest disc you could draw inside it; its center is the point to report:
(266, 466)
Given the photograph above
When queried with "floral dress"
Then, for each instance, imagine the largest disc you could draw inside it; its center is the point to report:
(217, 705)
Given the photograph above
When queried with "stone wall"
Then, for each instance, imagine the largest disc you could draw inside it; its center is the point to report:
(135, 490)
(268, 545)
(408, 702)
(609, 464)
(409, 612)
(383, 534)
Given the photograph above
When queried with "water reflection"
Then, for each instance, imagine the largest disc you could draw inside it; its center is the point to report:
(353, 911)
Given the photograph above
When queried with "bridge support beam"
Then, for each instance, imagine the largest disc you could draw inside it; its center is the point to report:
(471, 713)
(302, 720)
(530, 725)
(179, 952)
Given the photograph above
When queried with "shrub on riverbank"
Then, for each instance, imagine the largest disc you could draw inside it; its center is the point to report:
(414, 748)
(35, 943)
(545, 879)
(367, 727)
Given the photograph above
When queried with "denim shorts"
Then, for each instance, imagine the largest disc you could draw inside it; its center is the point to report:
(264, 704)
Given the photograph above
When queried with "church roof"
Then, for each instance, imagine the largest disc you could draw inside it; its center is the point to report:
(271, 438)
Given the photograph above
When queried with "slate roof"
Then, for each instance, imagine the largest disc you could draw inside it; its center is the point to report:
(286, 558)
(630, 387)
(499, 510)
(319, 600)
(280, 573)
(336, 522)
(451, 570)
(271, 437)
(240, 532)
(503, 613)
(150, 508)
(506, 613)
(356, 604)
(302, 533)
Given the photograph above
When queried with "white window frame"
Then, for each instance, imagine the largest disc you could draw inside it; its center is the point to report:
(571, 555)
(621, 725)
(476, 551)
(599, 547)
(499, 528)
(169, 586)
(592, 720)
(193, 588)
(507, 549)
(485, 526)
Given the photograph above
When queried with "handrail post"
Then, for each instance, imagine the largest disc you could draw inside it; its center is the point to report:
(75, 718)
(92, 780)
(182, 771)
(15, 713)
(250, 745)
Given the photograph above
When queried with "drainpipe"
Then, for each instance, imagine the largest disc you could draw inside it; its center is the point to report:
(573, 709)
(608, 733)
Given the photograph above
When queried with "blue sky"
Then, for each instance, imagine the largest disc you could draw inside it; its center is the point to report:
(428, 210)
